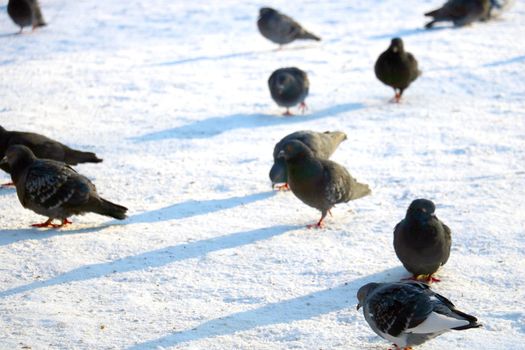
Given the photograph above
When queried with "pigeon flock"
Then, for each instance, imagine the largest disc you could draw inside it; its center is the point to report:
(406, 313)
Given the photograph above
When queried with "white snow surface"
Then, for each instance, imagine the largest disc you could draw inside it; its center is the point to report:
(173, 96)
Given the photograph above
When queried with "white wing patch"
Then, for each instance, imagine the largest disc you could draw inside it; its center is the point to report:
(436, 323)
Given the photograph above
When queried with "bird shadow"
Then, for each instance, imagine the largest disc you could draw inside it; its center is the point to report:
(155, 258)
(405, 32)
(195, 207)
(217, 125)
(210, 58)
(517, 59)
(296, 309)
(16, 235)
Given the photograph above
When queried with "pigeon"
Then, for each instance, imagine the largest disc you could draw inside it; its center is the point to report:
(410, 313)
(319, 183)
(421, 241)
(396, 68)
(54, 189)
(281, 29)
(25, 13)
(460, 12)
(43, 147)
(289, 87)
(322, 144)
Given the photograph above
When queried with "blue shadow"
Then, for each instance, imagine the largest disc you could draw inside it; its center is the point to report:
(217, 125)
(193, 208)
(155, 258)
(296, 309)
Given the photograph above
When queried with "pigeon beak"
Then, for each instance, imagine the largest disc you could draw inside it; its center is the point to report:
(395, 49)
(3, 161)
(358, 306)
(281, 154)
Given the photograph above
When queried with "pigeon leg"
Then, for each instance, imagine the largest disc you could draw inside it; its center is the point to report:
(8, 184)
(47, 223)
(303, 107)
(423, 278)
(320, 223)
(284, 187)
(287, 112)
(398, 348)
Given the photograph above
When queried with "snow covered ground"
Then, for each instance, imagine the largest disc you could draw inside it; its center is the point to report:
(173, 95)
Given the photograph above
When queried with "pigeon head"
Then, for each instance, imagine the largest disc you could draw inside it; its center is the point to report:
(396, 45)
(363, 292)
(18, 157)
(421, 210)
(295, 150)
(266, 11)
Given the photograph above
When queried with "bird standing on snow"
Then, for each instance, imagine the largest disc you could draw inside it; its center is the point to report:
(25, 13)
(289, 87)
(396, 68)
(55, 190)
(43, 147)
(318, 183)
(322, 144)
(460, 12)
(280, 28)
(409, 314)
(421, 241)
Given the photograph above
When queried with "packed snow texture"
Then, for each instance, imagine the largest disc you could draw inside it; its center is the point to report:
(173, 96)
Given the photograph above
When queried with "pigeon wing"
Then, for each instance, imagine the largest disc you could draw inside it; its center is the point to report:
(53, 184)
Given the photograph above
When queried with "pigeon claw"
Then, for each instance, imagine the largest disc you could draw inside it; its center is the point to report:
(287, 113)
(318, 225)
(49, 223)
(423, 278)
(284, 187)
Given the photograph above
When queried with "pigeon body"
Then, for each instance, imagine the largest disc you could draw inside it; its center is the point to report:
(460, 12)
(396, 68)
(43, 147)
(421, 241)
(281, 29)
(322, 144)
(25, 13)
(319, 183)
(409, 314)
(55, 190)
(289, 87)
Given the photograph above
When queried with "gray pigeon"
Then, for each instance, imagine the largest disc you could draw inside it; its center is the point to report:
(421, 241)
(460, 12)
(396, 68)
(281, 29)
(409, 314)
(319, 183)
(289, 87)
(25, 13)
(322, 144)
(55, 190)
(43, 147)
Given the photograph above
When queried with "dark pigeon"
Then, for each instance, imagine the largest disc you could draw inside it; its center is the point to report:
(281, 29)
(25, 13)
(396, 68)
(460, 12)
(55, 190)
(409, 314)
(319, 183)
(43, 147)
(289, 87)
(322, 144)
(421, 241)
